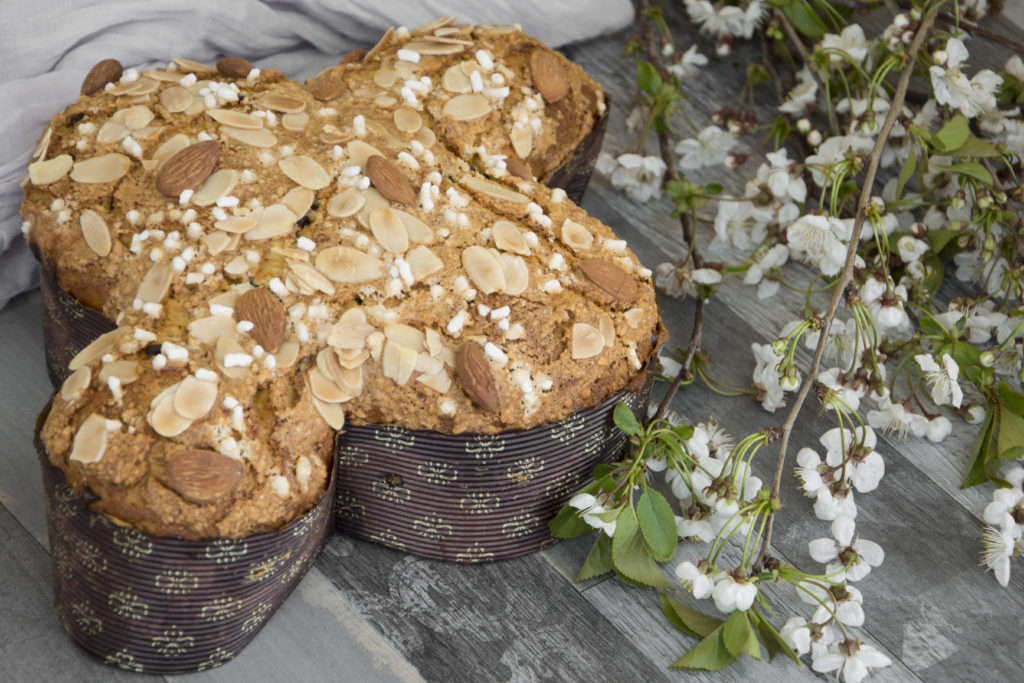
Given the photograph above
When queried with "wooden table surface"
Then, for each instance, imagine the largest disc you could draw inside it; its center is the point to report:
(370, 613)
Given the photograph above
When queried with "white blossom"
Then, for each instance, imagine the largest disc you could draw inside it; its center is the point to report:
(711, 146)
(945, 387)
(639, 176)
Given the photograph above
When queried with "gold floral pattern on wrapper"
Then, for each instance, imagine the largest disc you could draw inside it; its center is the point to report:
(164, 605)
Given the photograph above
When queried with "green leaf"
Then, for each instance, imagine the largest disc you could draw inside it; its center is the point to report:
(568, 524)
(773, 640)
(1011, 433)
(657, 525)
(804, 20)
(739, 636)
(694, 622)
(976, 148)
(978, 473)
(713, 189)
(630, 556)
(966, 354)
(626, 421)
(599, 561)
(648, 78)
(906, 171)
(971, 169)
(940, 238)
(710, 654)
(954, 134)
(931, 327)
(1013, 400)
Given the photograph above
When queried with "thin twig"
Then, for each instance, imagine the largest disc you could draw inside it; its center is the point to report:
(653, 55)
(794, 38)
(847, 274)
(976, 30)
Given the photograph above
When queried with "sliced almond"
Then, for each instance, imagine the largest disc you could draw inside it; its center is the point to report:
(517, 273)
(423, 263)
(235, 118)
(190, 66)
(484, 269)
(51, 170)
(433, 342)
(350, 380)
(188, 169)
(634, 317)
(474, 373)
(265, 311)
(576, 236)
(385, 101)
(287, 355)
(359, 152)
(219, 184)
(172, 146)
(389, 180)
(247, 136)
(493, 189)
(549, 74)
(405, 335)
(434, 47)
(466, 107)
(155, 284)
(325, 389)
(607, 327)
(111, 131)
(611, 278)
(398, 362)
(313, 277)
(202, 476)
(389, 231)
(106, 71)
(163, 75)
(508, 238)
(97, 348)
(216, 241)
(373, 200)
(90, 440)
(95, 232)
(427, 364)
(136, 117)
(298, 200)
(587, 341)
(105, 168)
(224, 347)
(408, 120)
(351, 358)
(522, 141)
(348, 265)
(236, 224)
(237, 267)
(163, 418)
(439, 381)
(271, 221)
(456, 80)
(426, 137)
(305, 170)
(126, 371)
(351, 330)
(332, 413)
(384, 77)
(276, 101)
(295, 122)
(417, 230)
(76, 383)
(346, 203)
(195, 397)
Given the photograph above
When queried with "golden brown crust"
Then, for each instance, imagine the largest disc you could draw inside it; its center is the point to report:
(379, 295)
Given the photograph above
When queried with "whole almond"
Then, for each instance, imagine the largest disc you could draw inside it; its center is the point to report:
(474, 373)
(202, 476)
(518, 168)
(188, 169)
(389, 180)
(234, 67)
(549, 75)
(611, 278)
(107, 71)
(352, 56)
(265, 311)
(326, 87)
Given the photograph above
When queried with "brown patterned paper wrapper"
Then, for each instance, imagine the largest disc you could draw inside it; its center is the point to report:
(574, 175)
(471, 498)
(165, 605)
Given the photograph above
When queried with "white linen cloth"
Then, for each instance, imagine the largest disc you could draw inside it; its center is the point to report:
(47, 47)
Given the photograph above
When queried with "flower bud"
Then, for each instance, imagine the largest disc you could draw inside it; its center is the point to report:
(804, 125)
(779, 347)
(988, 358)
(790, 381)
(901, 21)
(814, 138)
(939, 57)
(975, 414)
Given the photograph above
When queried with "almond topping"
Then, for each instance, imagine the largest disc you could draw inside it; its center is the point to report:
(193, 67)
(455, 80)
(238, 119)
(466, 107)
(405, 335)
(266, 312)
(77, 382)
(298, 200)
(408, 120)
(234, 67)
(163, 418)
(97, 348)
(228, 346)
(607, 327)
(351, 358)
(351, 57)
(351, 330)
(359, 152)
(576, 236)
(168, 149)
(286, 357)
(385, 77)
(305, 171)
(417, 230)
(332, 413)
(202, 476)
(439, 381)
(236, 224)
(474, 373)
(217, 241)
(91, 440)
(51, 170)
(493, 189)
(107, 71)
(95, 232)
(325, 389)
(155, 284)
(248, 136)
(587, 341)
(312, 277)
(634, 317)
(517, 273)
(348, 265)
(484, 269)
(195, 397)
(126, 371)
(611, 278)
(522, 141)
(295, 121)
(346, 203)
(389, 231)
(188, 169)
(272, 221)
(508, 238)
(423, 263)
(105, 168)
(549, 75)
(218, 185)
(389, 180)
(280, 102)
(326, 87)
(398, 362)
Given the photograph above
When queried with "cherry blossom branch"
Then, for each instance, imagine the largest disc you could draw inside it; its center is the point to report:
(976, 30)
(654, 57)
(847, 273)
